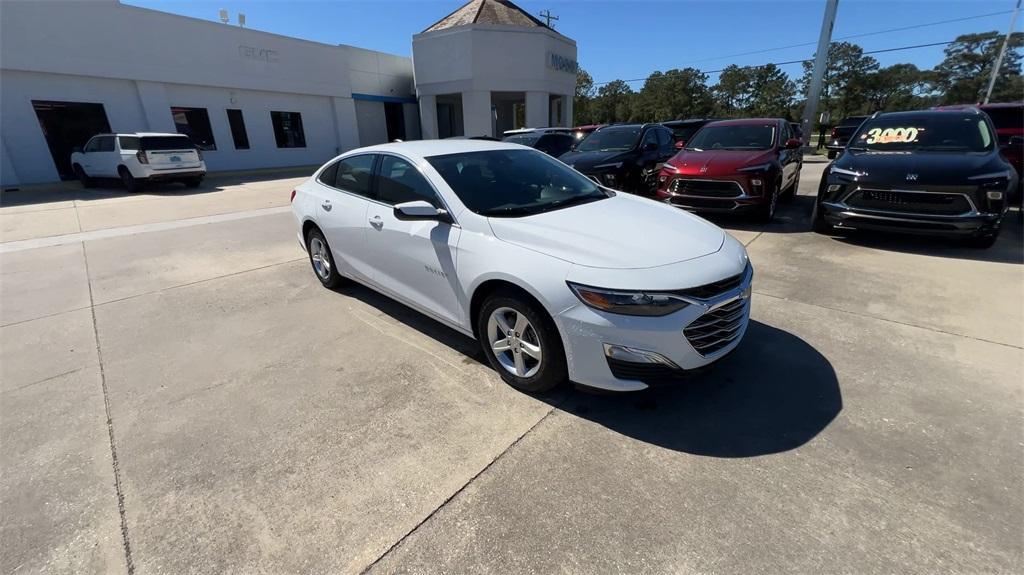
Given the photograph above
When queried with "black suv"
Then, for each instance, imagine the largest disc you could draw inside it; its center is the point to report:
(552, 141)
(625, 157)
(841, 135)
(683, 130)
(926, 172)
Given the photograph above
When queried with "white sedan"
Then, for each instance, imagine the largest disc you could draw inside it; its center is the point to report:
(557, 277)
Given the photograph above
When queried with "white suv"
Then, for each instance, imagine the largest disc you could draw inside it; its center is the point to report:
(557, 277)
(139, 158)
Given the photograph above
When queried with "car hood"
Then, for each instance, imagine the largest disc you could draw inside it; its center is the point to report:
(622, 232)
(718, 162)
(586, 160)
(925, 167)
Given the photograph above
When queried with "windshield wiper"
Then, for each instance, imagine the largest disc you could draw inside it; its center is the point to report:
(574, 201)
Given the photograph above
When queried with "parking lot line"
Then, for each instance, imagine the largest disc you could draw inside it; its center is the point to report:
(17, 246)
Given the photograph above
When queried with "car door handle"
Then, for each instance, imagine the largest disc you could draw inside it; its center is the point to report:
(326, 205)
(377, 222)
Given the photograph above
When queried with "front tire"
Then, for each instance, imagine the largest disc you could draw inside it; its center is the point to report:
(87, 182)
(322, 260)
(818, 223)
(521, 342)
(767, 211)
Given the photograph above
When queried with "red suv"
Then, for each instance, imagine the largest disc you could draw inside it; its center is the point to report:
(734, 165)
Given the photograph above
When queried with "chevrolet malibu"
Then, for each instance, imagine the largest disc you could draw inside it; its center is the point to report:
(557, 277)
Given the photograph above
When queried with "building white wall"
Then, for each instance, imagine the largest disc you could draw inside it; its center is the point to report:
(372, 125)
(138, 63)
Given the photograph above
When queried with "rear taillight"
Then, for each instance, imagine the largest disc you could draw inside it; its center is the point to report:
(292, 199)
(141, 157)
(199, 153)
(834, 132)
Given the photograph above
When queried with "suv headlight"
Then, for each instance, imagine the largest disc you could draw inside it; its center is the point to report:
(628, 302)
(757, 168)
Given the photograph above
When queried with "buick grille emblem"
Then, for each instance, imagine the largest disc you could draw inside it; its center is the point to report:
(911, 177)
(704, 169)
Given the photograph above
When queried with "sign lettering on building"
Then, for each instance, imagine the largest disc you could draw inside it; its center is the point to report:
(562, 64)
(254, 53)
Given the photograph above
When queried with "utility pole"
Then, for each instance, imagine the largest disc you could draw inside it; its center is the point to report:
(547, 16)
(820, 61)
(1002, 52)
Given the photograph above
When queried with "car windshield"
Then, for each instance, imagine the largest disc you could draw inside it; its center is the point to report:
(610, 140)
(853, 121)
(935, 132)
(684, 133)
(511, 183)
(733, 137)
(524, 139)
(153, 143)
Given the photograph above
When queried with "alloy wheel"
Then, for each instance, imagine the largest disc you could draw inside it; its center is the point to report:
(514, 342)
(321, 259)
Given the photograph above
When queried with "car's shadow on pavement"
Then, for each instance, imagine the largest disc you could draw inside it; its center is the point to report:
(773, 394)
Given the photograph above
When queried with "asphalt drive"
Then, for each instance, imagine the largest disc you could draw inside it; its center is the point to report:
(178, 394)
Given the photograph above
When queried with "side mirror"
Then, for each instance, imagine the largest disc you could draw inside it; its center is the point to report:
(680, 144)
(1016, 141)
(792, 144)
(420, 210)
(76, 150)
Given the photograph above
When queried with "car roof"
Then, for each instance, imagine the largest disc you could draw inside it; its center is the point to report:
(141, 134)
(428, 148)
(671, 123)
(532, 130)
(745, 121)
(964, 111)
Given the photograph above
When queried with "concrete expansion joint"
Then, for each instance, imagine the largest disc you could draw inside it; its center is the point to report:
(458, 491)
(118, 488)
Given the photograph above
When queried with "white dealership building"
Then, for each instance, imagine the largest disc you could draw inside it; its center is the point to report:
(252, 99)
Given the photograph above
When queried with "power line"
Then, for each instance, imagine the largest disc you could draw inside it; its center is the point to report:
(801, 45)
(802, 60)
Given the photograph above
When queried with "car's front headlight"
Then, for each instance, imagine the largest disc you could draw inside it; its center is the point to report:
(608, 166)
(845, 172)
(628, 302)
(757, 168)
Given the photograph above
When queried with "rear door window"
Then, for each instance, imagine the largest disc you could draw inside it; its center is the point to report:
(355, 175)
(160, 143)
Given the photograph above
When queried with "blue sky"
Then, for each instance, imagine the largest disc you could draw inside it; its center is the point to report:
(631, 39)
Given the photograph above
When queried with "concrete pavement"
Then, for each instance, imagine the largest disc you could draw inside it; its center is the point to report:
(189, 399)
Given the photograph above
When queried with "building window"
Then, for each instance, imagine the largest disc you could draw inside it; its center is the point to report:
(238, 134)
(288, 129)
(194, 123)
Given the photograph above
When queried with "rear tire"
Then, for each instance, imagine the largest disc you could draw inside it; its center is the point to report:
(192, 182)
(87, 182)
(322, 260)
(531, 358)
(130, 183)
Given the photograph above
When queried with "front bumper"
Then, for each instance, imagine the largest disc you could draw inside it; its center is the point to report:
(844, 217)
(745, 197)
(588, 334)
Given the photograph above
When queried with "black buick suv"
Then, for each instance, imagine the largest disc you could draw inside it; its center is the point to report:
(936, 172)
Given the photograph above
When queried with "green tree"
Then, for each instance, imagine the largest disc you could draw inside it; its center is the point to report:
(672, 95)
(583, 100)
(759, 91)
(614, 102)
(963, 75)
(844, 81)
(894, 88)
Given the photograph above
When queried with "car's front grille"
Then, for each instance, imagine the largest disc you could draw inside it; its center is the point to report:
(718, 328)
(910, 202)
(706, 188)
(708, 291)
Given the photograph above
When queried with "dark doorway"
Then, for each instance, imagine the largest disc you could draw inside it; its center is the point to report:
(66, 126)
(394, 117)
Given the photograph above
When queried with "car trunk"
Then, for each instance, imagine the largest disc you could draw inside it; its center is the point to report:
(165, 152)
